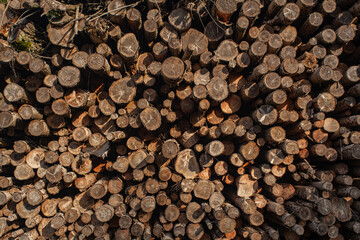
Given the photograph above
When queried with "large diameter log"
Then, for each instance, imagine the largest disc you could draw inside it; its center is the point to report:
(250, 151)
(123, 90)
(137, 159)
(227, 50)
(265, 115)
(350, 152)
(25, 210)
(194, 212)
(214, 33)
(8, 119)
(23, 172)
(128, 47)
(14, 93)
(204, 189)
(186, 164)
(246, 187)
(194, 36)
(150, 118)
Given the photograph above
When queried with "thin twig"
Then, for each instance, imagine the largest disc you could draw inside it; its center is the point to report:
(3, 16)
(76, 19)
(114, 10)
(21, 16)
(212, 17)
(76, 22)
(39, 56)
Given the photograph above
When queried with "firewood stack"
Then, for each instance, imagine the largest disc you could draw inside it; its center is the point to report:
(223, 119)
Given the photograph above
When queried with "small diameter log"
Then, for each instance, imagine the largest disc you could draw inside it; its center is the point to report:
(325, 102)
(194, 231)
(275, 208)
(226, 225)
(133, 17)
(150, 30)
(302, 212)
(5, 196)
(351, 76)
(43, 95)
(265, 115)
(242, 25)
(98, 63)
(257, 51)
(7, 54)
(23, 58)
(251, 9)
(160, 51)
(215, 148)
(345, 34)
(39, 66)
(172, 70)
(170, 148)
(350, 152)
(137, 159)
(80, 59)
(321, 75)
(172, 213)
(194, 212)
(99, 189)
(249, 151)
(117, 16)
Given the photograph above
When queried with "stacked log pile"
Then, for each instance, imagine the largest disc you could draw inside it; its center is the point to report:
(223, 119)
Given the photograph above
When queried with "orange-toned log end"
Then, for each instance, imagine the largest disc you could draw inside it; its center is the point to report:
(224, 9)
(231, 235)
(205, 174)
(231, 105)
(228, 179)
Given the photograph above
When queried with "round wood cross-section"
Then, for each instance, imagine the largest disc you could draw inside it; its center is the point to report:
(172, 69)
(69, 76)
(123, 90)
